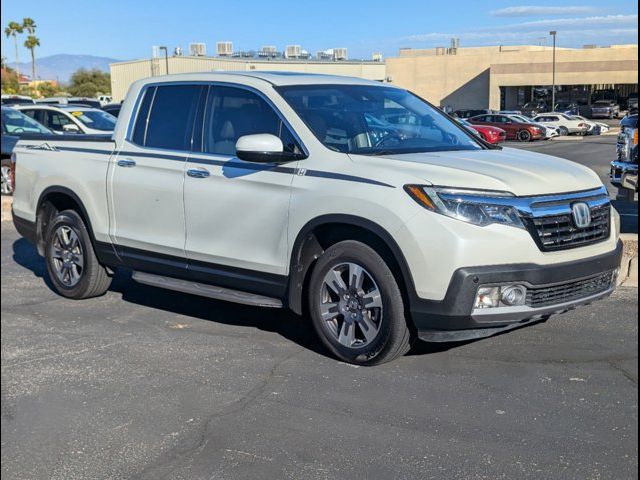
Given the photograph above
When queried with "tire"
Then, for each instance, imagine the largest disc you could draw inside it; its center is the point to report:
(67, 245)
(343, 329)
(564, 131)
(7, 187)
(524, 136)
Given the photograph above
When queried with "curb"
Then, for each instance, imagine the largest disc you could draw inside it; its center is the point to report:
(628, 266)
(6, 208)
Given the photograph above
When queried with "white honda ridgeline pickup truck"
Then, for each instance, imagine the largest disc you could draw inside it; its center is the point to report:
(353, 202)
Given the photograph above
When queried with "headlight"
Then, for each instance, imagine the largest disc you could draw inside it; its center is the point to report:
(472, 206)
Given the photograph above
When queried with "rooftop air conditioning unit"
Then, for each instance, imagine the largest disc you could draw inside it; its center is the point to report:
(197, 49)
(293, 51)
(224, 49)
(339, 53)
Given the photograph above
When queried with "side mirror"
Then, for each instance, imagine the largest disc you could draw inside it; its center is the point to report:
(70, 128)
(263, 148)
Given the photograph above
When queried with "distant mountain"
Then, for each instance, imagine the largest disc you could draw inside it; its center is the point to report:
(61, 67)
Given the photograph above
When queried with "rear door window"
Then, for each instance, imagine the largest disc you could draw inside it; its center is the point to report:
(171, 117)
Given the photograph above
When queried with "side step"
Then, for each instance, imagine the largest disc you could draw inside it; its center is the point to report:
(211, 291)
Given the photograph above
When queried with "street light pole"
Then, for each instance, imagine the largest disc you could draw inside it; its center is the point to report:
(553, 86)
(166, 58)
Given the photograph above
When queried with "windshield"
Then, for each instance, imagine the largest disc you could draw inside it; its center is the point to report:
(96, 119)
(372, 120)
(17, 123)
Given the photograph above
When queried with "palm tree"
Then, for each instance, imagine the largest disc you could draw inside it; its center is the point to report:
(31, 43)
(12, 30)
(29, 25)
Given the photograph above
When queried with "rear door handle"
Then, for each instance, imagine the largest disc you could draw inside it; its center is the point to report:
(126, 162)
(198, 173)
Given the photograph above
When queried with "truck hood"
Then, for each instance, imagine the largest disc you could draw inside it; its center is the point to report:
(512, 170)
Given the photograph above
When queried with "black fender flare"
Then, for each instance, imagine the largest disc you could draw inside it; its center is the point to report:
(306, 249)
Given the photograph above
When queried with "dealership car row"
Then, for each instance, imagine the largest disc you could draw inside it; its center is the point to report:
(22, 115)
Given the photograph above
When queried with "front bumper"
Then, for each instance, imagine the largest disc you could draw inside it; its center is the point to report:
(454, 319)
(618, 169)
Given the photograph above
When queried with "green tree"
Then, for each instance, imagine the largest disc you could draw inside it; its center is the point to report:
(88, 83)
(31, 43)
(13, 30)
(9, 80)
(48, 89)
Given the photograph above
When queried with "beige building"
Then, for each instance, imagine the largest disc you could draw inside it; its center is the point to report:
(503, 77)
(123, 74)
(506, 77)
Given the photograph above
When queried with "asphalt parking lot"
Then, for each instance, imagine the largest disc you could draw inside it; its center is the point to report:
(145, 383)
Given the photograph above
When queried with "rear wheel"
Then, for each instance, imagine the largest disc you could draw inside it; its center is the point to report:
(356, 306)
(524, 136)
(7, 185)
(72, 265)
(563, 131)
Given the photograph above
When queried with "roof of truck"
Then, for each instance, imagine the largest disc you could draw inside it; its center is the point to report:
(274, 78)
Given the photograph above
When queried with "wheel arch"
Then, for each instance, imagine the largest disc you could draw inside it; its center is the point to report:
(55, 199)
(321, 232)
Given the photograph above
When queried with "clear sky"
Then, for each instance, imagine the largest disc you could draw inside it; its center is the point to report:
(126, 29)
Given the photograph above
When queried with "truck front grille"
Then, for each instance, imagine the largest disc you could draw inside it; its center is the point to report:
(568, 292)
(558, 232)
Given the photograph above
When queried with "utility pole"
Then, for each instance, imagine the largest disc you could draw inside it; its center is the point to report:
(553, 86)
(166, 58)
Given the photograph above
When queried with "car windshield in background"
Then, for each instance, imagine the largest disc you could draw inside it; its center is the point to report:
(17, 123)
(96, 119)
(371, 120)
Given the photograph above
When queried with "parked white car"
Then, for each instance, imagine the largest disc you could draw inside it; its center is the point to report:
(71, 118)
(592, 125)
(549, 130)
(351, 202)
(565, 124)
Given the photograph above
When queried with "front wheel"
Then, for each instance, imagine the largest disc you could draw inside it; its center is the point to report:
(356, 306)
(524, 136)
(72, 264)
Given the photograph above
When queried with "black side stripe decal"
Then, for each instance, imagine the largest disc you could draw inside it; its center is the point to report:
(236, 164)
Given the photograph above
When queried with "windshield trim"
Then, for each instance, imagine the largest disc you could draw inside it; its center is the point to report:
(280, 89)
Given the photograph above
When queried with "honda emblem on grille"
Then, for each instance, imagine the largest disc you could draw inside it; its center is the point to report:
(581, 214)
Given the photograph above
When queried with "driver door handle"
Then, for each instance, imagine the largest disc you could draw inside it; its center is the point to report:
(126, 162)
(198, 173)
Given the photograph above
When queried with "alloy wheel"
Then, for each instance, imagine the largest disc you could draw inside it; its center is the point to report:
(67, 256)
(351, 305)
(7, 187)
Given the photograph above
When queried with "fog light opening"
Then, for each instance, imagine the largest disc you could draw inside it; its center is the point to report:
(513, 295)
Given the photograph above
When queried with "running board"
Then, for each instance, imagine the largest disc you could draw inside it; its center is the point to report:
(210, 291)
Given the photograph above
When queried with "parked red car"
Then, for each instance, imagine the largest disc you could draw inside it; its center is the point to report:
(523, 132)
(488, 133)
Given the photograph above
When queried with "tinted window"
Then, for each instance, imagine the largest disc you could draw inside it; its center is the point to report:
(171, 118)
(233, 112)
(140, 127)
(17, 123)
(55, 120)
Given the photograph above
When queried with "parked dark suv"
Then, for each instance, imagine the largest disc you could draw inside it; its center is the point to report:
(605, 109)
